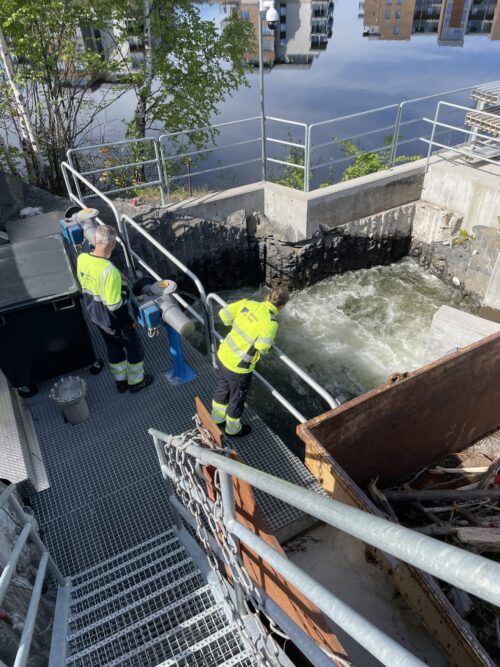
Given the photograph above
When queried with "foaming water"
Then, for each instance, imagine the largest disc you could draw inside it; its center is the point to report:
(351, 331)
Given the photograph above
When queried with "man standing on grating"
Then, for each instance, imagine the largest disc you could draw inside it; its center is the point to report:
(107, 306)
(254, 328)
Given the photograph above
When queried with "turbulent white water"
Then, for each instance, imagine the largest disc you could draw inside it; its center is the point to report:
(351, 331)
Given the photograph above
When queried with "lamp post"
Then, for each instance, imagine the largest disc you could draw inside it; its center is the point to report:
(267, 11)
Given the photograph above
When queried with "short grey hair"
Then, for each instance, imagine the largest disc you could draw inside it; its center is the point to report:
(105, 235)
(279, 296)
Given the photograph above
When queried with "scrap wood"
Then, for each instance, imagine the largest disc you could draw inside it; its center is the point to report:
(444, 494)
(471, 517)
(490, 474)
(379, 498)
(437, 531)
(441, 470)
(486, 538)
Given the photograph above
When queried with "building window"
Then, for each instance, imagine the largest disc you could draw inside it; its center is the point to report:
(387, 16)
(389, 2)
(399, 2)
(395, 30)
(398, 15)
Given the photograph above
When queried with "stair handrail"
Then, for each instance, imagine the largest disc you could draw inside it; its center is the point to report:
(469, 572)
(28, 532)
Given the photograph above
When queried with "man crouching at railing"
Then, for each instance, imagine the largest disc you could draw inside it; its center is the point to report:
(107, 305)
(254, 328)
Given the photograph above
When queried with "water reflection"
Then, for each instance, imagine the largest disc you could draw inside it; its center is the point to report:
(450, 20)
(304, 28)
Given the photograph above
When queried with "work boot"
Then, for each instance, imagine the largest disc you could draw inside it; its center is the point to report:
(246, 429)
(147, 380)
(121, 386)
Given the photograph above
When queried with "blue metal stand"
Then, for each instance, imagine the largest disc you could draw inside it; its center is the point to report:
(180, 372)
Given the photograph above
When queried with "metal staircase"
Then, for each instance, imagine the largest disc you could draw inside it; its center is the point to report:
(147, 606)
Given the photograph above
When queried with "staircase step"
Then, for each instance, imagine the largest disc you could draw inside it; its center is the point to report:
(132, 583)
(100, 580)
(153, 632)
(122, 557)
(132, 618)
(223, 648)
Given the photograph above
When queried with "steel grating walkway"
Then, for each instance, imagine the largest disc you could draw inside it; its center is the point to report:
(106, 491)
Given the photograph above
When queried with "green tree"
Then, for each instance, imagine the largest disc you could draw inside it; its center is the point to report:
(189, 67)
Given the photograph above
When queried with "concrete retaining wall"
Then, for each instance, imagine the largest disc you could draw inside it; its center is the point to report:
(472, 192)
(298, 215)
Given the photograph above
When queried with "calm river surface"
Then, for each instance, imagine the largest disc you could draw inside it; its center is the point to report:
(353, 73)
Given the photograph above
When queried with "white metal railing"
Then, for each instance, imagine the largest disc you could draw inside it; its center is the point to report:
(468, 150)
(45, 564)
(166, 156)
(120, 166)
(470, 572)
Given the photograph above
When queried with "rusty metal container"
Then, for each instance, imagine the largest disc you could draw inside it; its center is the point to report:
(395, 431)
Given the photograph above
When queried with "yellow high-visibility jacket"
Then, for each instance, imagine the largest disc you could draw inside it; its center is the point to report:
(254, 328)
(102, 291)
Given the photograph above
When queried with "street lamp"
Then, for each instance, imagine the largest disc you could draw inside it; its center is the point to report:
(267, 11)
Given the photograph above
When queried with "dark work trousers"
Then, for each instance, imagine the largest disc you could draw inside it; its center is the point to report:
(232, 389)
(125, 344)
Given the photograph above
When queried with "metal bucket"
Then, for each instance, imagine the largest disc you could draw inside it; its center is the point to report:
(69, 393)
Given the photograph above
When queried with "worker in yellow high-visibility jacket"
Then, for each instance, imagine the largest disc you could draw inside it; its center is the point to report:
(254, 325)
(107, 305)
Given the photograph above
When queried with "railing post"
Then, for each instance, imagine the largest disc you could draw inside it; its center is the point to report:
(395, 136)
(160, 170)
(69, 155)
(261, 91)
(164, 167)
(429, 152)
(307, 157)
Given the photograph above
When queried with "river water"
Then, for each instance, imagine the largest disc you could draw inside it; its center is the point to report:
(350, 332)
(354, 72)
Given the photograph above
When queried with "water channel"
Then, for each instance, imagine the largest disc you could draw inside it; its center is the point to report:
(350, 332)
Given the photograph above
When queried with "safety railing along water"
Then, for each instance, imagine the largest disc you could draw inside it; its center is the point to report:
(206, 319)
(469, 572)
(45, 565)
(469, 149)
(164, 162)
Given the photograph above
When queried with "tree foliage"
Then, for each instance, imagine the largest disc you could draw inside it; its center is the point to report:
(192, 67)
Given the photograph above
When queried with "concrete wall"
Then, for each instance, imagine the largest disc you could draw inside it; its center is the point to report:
(299, 215)
(365, 196)
(468, 191)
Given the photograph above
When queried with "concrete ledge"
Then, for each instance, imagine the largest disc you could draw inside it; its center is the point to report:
(218, 205)
(453, 329)
(299, 214)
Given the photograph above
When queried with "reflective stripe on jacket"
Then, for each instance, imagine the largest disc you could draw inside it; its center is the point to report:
(102, 290)
(254, 328)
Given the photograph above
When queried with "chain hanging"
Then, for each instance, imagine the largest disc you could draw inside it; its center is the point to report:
(190, 487)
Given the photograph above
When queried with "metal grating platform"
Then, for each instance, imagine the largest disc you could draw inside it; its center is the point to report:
(106, 492)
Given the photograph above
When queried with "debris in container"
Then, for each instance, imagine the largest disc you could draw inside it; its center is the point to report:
(456, 500)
